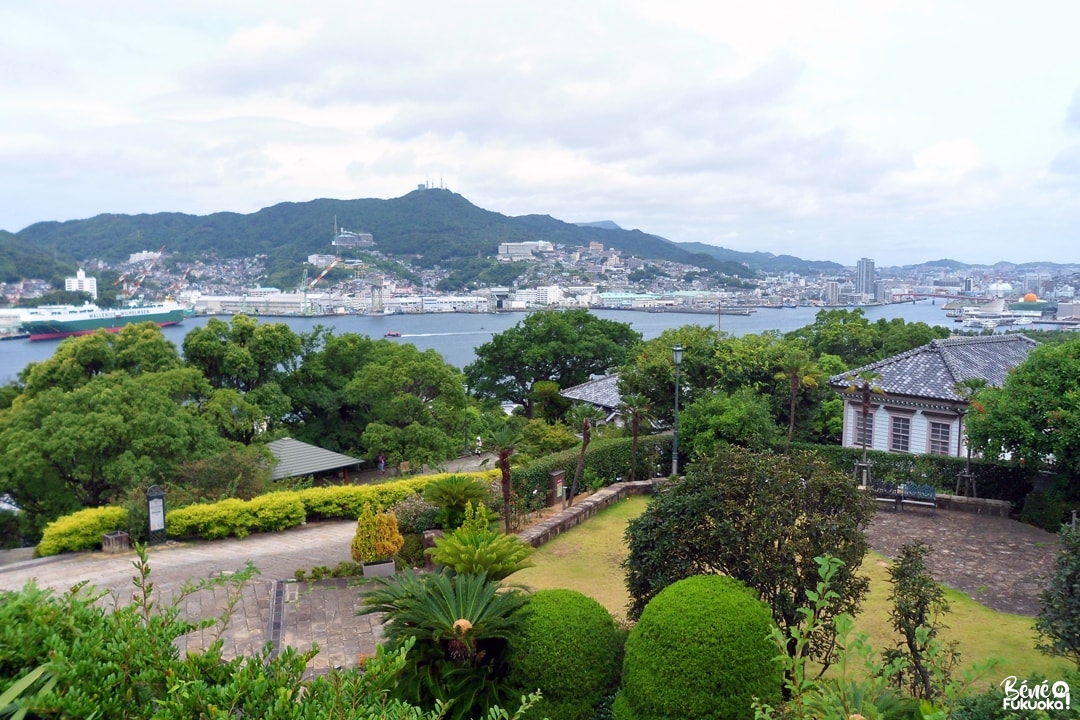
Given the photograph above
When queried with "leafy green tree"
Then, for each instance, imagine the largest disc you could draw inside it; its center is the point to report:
(844, 333)
(61, 450)
(759, 518)
(244, 353)
(742, 417)
(1035, 415)
(650, 370)
(897, 336)
(414, 401)
(567, 347)
(1058, 621)
(540, 438)
(322, 412)
(137, 348)
(918, 603)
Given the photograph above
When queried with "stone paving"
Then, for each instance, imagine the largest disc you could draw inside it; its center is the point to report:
(999, 562)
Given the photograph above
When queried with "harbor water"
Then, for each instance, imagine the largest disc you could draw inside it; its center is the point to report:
(457, 335)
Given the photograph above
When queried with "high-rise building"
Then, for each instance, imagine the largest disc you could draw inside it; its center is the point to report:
(864, 277)
(832, 293)
(81, 283)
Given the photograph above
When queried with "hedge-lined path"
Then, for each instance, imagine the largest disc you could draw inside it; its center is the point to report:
(998, 562)
(269, 608)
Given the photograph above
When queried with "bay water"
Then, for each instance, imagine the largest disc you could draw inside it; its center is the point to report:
(457, 335)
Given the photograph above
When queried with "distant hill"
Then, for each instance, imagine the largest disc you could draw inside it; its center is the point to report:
(765, 261)
(432, 226)
(21, 258)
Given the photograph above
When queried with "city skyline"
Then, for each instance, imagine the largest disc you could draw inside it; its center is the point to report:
(915, 130)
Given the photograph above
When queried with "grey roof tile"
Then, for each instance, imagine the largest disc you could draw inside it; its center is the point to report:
(296, 459)
(933, 370)
(602, 392)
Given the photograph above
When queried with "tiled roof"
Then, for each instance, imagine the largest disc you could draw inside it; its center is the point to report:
(933, 370)
(602, 392)
(296, 459)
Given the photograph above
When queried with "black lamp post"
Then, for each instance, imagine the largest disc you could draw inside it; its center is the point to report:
(676, 356)
(465, 423)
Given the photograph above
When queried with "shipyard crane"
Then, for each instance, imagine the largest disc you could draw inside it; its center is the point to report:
(134, 288)
(328, 268)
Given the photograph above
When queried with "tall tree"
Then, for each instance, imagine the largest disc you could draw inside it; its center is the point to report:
(1035, 415)
(567, 347)
(799, 371)
(638, 409)
(866, 384)
(505, 440)
(84, 448)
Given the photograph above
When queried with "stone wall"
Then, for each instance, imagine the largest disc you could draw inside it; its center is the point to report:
(546, 530)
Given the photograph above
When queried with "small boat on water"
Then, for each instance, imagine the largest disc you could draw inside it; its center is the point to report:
(391, 333)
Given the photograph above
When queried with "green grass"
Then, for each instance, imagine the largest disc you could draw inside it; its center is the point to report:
(587, 559)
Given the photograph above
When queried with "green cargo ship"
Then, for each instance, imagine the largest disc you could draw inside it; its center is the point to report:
(51, 322)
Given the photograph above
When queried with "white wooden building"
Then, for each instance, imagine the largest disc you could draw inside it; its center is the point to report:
(917, 406)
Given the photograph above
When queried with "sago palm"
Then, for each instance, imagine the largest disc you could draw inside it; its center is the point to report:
(461, 625)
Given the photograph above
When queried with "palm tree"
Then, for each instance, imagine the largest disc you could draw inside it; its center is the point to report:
(506, 440)
(865, 383)
(967, 389)
(800, 371)
(638, 409)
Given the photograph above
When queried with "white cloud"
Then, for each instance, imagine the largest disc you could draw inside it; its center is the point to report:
(782, 126)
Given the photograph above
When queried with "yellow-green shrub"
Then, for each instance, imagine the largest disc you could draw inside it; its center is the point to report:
(225, 518)
(81, 530)
(346, 501)
(277, 511)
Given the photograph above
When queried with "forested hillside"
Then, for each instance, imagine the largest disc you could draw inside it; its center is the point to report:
(430, 226)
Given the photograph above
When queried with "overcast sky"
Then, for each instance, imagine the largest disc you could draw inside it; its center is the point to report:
(900, 130)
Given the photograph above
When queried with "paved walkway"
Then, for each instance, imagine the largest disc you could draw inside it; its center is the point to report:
(999, 562)
(272, 608)
(996, 561)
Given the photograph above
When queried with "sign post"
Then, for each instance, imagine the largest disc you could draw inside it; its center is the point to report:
(155, 505)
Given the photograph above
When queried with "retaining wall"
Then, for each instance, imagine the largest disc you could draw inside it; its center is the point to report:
(546, 530)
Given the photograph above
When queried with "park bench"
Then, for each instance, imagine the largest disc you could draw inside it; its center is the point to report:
(886, 493)
(924, 495)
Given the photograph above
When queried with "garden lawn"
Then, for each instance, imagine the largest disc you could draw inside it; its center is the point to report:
(587, 559)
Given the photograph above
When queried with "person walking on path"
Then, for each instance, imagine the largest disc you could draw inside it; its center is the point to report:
(479, 446)
(382, 464)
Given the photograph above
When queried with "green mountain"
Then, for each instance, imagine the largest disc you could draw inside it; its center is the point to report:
(429, 227)
(21, 258)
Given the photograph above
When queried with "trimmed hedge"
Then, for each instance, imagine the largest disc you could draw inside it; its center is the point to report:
(81, 530)
(569, 648)
(700, 650)
(283, 510)
(994, 481)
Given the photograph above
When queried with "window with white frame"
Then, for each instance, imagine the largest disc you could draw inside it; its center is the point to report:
(900, 434)
(864, 435)
(940, 437)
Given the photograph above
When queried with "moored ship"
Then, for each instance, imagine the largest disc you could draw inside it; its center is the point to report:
(51, 322)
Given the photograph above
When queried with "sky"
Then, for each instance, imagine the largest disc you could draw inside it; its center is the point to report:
(900, 130)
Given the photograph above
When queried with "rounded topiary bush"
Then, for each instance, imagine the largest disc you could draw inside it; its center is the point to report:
(569, 648)
(700, 650)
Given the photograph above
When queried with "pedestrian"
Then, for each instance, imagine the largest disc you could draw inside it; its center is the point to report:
(479, 446)
(382, 464)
